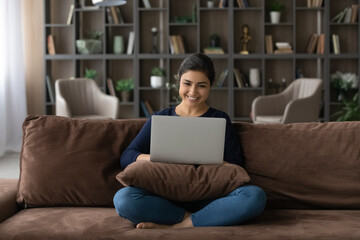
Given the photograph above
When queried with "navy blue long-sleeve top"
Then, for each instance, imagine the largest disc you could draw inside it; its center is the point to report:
(141, 143)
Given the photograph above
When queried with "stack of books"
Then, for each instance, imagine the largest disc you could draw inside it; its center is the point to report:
(283, 47)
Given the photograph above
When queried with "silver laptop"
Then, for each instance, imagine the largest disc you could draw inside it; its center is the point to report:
(187, 140)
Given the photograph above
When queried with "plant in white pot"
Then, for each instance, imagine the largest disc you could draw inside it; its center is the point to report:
(275, 11)
(157, 78)
(125, 86)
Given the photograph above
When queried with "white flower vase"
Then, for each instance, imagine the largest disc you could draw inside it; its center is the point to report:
(254, 77)
(275, 17)
(156, 81)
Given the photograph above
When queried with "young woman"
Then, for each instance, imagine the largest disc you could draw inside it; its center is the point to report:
(147, 210)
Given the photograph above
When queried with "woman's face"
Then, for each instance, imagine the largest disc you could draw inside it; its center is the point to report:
(194, 88)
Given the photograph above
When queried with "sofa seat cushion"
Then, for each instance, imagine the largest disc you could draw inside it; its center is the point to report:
(183, 182)
(72, 162)
(104, 223)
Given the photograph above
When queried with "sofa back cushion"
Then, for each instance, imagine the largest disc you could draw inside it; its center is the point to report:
(69, 162)
(304, 164)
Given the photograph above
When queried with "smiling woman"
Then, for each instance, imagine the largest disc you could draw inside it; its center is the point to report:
(12, 77)
(148, 210)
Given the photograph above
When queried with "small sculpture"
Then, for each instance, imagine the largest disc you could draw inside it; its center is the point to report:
(154, 33)
(245, 38)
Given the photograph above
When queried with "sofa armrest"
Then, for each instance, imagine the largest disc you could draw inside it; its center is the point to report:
(8, 190)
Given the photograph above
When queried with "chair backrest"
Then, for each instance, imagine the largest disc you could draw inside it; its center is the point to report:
(79, 93)
(302, 88)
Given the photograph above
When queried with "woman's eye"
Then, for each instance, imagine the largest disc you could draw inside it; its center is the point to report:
(202, 86)
(187, 84)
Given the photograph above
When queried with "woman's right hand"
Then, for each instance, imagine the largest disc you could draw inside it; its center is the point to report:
(143, 157)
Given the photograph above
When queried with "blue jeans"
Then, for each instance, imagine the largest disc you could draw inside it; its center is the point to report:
(240, 205)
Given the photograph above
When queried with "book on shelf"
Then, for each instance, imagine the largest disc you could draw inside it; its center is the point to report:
(213, 50)
(335, 44)
(51, 45)
(312, 43)
(223, 3)
(347, 17)
(110, 86)
(149, 108)
(339, 17)
(109, 15)
(239, 77)
(146, 3)
(354, 13)
(70, 15)
(131, 40)
(119, 15)
(219, 82)
(242, 3)
(320, 48)
(114, 15)
(269, 44)
(314, 3)
(146, 108)
(177, 45)
(50, 89)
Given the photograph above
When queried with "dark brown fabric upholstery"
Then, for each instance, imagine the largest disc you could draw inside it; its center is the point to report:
(8, 206)
(304, 164)
(69, 162)
(180, 182)
(104, 223)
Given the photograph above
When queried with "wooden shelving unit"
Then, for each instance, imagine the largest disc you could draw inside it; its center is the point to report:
(297, 24)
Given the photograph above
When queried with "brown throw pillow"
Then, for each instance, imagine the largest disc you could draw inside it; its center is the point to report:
(184, 183)
(71, 162)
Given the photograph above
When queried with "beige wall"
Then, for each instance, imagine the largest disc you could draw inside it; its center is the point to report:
(33, 34)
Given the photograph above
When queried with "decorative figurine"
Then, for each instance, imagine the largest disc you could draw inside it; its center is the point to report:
(154, 33)
(245, 38)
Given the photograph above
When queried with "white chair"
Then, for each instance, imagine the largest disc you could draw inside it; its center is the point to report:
(82, 98)
(299, 102)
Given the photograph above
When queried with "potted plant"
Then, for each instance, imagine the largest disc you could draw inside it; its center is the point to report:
(350, 110)
(125, 86)
(157, 77)
(275, 11)
(90, 45)
(343, 83)
(90, 73)
(214, 40)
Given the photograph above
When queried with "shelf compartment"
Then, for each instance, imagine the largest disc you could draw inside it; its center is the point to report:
(214, 23)
(147, 21)
(188, 34)
(256, 30)
(146, 66)
(277, 69)
(348, 38)
(97, 65)
(242, 103)
(314, 24)
(52, 15)
(113, 31)
(311, 68)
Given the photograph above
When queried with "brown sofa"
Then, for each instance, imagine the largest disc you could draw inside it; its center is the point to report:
(310, 172)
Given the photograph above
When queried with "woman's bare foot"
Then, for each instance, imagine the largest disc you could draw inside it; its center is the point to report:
(186, 222)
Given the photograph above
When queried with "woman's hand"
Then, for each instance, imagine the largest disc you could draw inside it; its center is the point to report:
(143, 157)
